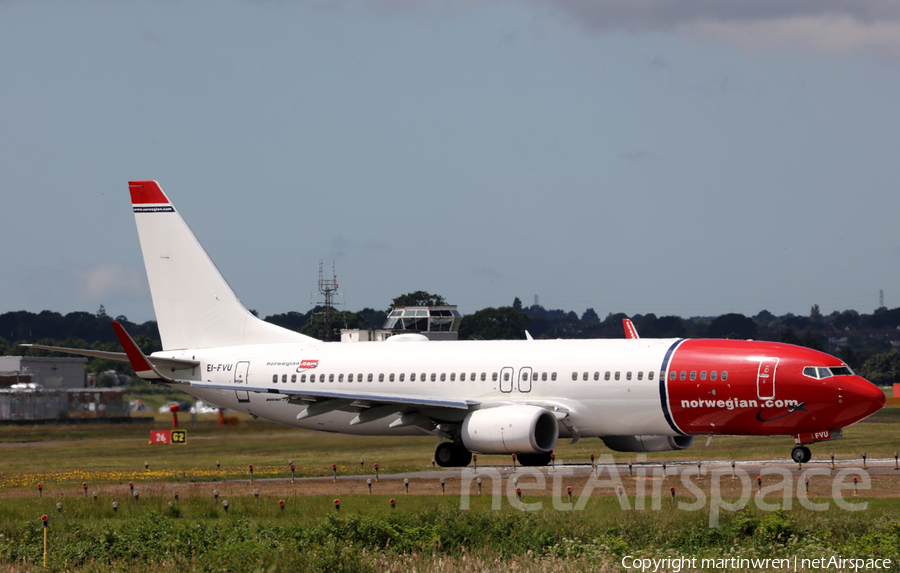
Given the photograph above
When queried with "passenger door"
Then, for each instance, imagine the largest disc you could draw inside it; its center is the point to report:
(240, 377)
(506, 376)
(765, 378)
(525, 377)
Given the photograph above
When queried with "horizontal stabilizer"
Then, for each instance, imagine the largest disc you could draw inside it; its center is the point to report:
(170, 364)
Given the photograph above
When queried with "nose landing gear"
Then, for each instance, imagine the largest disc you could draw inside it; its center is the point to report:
(801, 454)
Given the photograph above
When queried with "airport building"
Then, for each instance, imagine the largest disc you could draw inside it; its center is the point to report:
(27, 405)
(42, 372)
(36, 389)
(432, 322)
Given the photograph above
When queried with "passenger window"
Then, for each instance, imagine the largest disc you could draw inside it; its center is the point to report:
(585, 376)
(650, 375)
(452, 377)
(381, 377)
(275, 378)
(284, 378)
(303, 378)
(606, 376)
(543, 377)
(443, 377)
(494, 376)
(693, 375)
(483, 376)
(596, 376)
(683, 375)
(617, 374)
(462, 376)
(506, 376)
(369, 378)
(628, 375)
(331, 377)
(553, 376)
(703, 374)
(402, 375)
(640, 375)
(574, 376)
(472, 377)
(724, 375)
(524, 376)
(340, 377)
(412, 377)
(712, 375)
(672, 374)
(391, 377)
(433, 377)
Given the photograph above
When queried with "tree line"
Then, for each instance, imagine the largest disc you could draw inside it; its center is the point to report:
(866, 342)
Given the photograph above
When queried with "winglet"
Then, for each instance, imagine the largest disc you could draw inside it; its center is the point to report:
(139, 362)
(630, 330)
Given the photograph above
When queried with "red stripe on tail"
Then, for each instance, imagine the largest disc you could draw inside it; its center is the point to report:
(146, 192)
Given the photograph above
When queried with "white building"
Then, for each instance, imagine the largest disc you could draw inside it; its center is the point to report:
(50, 373)
(432, 322)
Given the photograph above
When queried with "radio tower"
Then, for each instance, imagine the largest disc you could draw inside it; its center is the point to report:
(881, 299)
(328, 288)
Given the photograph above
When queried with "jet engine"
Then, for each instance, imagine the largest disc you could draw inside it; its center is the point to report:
(647, 443)
(510, 429)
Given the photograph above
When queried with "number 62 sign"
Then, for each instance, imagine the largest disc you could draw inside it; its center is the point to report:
(168, 437)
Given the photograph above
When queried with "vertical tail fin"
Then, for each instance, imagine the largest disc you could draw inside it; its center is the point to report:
(195, 307)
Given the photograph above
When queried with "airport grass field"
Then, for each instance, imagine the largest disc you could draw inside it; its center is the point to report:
(426, 532)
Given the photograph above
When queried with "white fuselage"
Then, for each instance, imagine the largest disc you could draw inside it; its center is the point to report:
(489, 372)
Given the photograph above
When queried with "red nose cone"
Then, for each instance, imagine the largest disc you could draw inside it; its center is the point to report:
(860, 398)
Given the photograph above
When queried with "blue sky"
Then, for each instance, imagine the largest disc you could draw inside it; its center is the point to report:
(690, 158)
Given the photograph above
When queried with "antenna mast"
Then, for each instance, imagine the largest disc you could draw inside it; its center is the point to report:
(328, 289)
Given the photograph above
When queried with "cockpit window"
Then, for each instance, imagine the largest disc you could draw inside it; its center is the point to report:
(820, 373)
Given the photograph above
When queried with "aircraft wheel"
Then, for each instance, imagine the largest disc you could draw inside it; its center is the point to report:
(452, 455)
(801, 454)
(534, 459)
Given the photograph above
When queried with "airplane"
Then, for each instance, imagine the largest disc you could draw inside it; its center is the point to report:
(487, 397)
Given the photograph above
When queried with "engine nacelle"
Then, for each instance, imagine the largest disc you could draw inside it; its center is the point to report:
(510, 430)
(647, 443)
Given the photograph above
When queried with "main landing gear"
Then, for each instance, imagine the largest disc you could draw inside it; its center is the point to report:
(455, 455)
(801, 454)
(452, 455)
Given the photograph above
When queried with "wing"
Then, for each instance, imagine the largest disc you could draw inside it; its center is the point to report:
(159, 362)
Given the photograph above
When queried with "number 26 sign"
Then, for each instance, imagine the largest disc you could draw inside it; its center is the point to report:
(168, 437)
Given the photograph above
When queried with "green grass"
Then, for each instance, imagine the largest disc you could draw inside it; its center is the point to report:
(424, 533)
(432, 532)
(106, 453)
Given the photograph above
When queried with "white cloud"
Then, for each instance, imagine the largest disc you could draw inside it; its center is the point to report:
(841, 26)
(107, 281)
